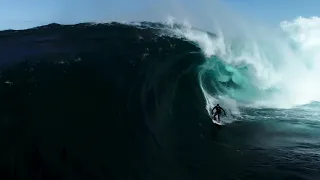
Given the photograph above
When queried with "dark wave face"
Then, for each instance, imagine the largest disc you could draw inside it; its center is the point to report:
(91, 101)
(123, 101)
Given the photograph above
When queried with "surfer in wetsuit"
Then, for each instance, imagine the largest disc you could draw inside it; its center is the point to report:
(218, 112)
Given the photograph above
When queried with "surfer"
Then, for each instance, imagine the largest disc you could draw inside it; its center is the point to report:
(218, 112)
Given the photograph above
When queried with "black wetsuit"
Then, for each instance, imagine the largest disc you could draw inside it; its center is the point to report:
(218, 112)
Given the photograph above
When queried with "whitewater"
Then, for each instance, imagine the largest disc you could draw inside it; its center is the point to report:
(269, 68)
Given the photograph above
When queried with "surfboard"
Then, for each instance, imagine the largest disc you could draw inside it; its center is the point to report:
(216, 122)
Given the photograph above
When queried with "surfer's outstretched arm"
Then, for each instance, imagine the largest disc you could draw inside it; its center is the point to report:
(213, 109)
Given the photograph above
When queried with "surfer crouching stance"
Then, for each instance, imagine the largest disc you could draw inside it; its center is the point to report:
(218, 112)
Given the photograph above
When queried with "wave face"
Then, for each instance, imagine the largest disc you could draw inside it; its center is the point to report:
(119, 95)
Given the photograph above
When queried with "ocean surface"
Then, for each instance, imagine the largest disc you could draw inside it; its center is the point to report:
(131, 101)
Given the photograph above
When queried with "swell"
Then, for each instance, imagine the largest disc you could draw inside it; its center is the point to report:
(121, 97)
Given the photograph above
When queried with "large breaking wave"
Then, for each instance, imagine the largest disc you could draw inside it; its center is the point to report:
(283, 66)
(130, 96)
(267, 68)
(248, 63)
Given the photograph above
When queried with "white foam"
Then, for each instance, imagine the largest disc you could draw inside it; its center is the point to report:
(286, 62)
(305, 34)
